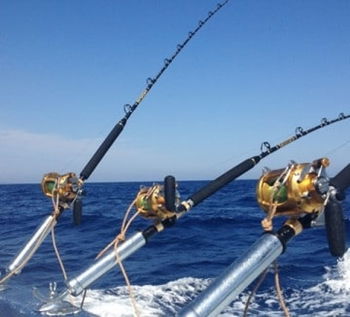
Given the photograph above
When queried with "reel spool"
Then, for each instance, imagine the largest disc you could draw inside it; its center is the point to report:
(64, 187)
(306, 189)
(296, 190)
(158, 201)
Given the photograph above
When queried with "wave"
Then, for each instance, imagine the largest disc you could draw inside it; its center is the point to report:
(328, 298)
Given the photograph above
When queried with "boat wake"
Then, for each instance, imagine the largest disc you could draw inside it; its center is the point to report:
(328, 298)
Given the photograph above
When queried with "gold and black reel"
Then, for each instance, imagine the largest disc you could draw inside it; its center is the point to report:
(64, 188)
(158, 201)
(296, 190)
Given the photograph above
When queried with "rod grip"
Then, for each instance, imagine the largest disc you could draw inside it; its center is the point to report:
(102, 150)
(224, 179)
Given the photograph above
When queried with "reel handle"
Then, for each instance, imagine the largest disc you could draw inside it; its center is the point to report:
(334, 218)
(335, 228)
(170, 192)
(77, 210)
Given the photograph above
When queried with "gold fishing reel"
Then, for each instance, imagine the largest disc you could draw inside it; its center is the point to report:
(296, 190)
(65, 187)
(151, 203)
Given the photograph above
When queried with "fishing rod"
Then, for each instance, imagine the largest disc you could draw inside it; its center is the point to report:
(305, 194)
(66, 190)
(161, 203)
(72, 184)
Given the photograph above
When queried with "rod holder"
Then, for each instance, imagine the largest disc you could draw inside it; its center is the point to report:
(32, 245)
(222, 291)
(78, 284)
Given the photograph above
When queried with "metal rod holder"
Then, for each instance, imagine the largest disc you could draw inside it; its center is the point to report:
(222, 291)
(32, 245)
(77, 285)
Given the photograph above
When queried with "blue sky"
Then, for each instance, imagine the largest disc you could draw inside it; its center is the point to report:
(256, 71)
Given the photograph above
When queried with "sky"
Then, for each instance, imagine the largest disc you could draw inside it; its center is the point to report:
(253, 73)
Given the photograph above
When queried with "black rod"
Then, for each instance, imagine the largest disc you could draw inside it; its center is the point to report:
(249, 163)
(118, 128)
(223, 180)
(102, 150)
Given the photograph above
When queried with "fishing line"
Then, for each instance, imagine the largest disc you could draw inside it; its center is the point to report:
(336, 149)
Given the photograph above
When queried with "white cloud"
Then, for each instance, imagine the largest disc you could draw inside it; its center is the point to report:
(26, 156)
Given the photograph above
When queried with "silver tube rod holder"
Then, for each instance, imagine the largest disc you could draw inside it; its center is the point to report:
(223, 290)
(32, 245)
(77, 285)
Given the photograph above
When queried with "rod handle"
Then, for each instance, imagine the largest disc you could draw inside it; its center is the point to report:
(102, 150)
(224, 179)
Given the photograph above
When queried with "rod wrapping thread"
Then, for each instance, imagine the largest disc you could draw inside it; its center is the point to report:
(224, 179)
(102, 150)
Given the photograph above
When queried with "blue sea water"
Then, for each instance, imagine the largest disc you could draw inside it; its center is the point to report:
(175, 265)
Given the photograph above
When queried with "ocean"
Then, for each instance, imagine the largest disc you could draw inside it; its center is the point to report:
(176, 265)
